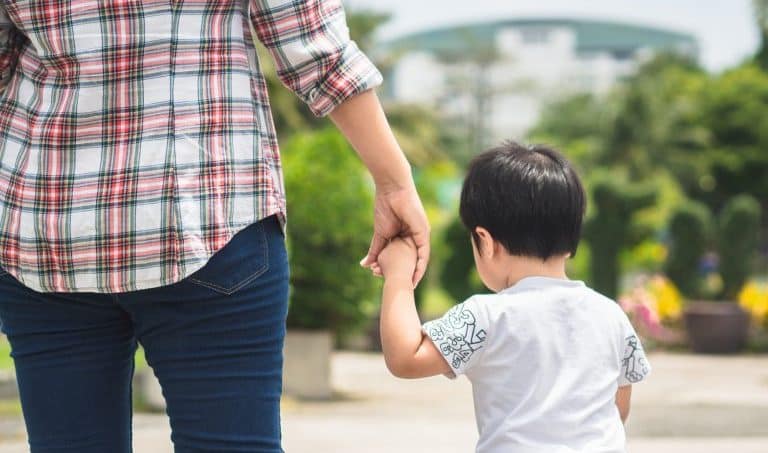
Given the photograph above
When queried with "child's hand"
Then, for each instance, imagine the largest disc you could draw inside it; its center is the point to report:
(398, 259)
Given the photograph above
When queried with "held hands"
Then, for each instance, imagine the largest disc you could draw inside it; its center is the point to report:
(397, 260)
(399, 213)
(398, 210)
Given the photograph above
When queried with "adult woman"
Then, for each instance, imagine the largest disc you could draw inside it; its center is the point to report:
(141, 200)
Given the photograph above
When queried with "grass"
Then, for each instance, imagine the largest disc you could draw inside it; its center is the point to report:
(140, 360)
(6, 363)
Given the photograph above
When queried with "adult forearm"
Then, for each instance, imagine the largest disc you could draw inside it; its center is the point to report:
(401, 333)
(361, 119)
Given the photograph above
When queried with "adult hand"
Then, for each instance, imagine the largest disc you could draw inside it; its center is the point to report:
(399, 213)
(398, 210)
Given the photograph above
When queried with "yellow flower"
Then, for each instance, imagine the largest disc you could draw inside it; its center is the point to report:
(669, 301)
(754, 299)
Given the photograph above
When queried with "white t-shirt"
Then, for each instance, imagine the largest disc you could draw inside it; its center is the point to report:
(545, 358)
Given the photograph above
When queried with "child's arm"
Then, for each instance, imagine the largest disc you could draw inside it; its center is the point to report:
(407, 351)
(623, 397)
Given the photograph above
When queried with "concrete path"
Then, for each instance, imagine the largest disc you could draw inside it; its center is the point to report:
(690, 403)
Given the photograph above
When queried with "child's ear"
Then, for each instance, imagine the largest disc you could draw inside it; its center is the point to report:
(485, 243)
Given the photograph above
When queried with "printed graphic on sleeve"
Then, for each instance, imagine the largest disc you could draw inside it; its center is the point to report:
(634, 365)
(457, 335)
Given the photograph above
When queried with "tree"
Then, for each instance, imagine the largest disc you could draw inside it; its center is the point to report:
(458, 276)
(650, 122)
(761, 13)
(419, 132)
(612, 227)
(579, 126)
(656, 122)
(738, 239)
(669, 122)
(689, 231)
(735, 111)
(330, 201)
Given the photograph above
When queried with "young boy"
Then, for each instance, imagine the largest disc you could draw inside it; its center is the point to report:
(550, 360)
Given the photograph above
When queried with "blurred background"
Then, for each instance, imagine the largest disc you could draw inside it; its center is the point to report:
(662, 107)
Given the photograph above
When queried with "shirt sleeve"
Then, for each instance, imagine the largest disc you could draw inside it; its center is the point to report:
(9, 47)
(315, 57)
(460, 335)
(634, 364)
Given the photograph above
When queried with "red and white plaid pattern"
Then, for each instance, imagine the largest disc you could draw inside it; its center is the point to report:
(136, 137)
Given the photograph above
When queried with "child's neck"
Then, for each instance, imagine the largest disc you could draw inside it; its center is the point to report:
(521, 267)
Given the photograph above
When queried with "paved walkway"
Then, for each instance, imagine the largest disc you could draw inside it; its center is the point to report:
(690, 403)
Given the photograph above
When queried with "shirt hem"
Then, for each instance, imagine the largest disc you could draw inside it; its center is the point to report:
(143, 285)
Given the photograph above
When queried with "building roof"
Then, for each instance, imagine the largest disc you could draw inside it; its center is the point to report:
(591, 36)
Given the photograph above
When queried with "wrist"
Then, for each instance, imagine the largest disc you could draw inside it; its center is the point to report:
(394, 179)
(399, 279)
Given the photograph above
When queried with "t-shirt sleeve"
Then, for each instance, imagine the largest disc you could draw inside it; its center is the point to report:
(460, 335)
(634, 364)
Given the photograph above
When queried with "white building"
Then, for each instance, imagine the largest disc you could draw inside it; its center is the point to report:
(500, 74)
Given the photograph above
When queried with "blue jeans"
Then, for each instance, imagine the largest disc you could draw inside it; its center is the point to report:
(214, 340)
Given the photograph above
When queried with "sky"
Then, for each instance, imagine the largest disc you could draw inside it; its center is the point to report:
(725, 29)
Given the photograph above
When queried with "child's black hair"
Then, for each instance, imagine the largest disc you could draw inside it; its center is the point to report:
(529, 199)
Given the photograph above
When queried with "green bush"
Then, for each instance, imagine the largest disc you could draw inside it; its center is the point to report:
(688, 230)
(330, 211)
(738, 238)
(458, 276)
(612, 229)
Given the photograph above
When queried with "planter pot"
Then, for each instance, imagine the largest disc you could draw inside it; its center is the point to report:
(307, 364)
(716, 327)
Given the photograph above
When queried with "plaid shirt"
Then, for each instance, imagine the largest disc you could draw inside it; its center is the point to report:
(136, 136)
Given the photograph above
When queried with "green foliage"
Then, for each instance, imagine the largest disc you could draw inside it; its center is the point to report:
(437, 184)
(761, 58)
(656, 122)
(578, 126)
(459, 277)
(329, 225)
(419, 133)
(611, 227)
(577, 267)
(691, 134)
(735, 110)
(649, 122)
(646, 257)
(738, 241)
(688, 230)
(761, 11)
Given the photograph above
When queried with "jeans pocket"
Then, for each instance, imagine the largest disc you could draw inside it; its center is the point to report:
(241, 261)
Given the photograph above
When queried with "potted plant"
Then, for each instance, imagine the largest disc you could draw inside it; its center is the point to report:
(714, 322)
(329, 225)
(753, 298)
(654, 305)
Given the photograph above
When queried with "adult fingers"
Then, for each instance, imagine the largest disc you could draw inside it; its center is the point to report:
(378, 242)
(421, 239)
